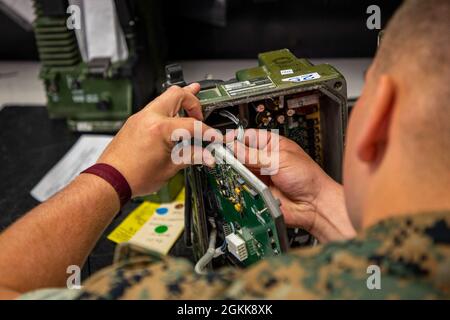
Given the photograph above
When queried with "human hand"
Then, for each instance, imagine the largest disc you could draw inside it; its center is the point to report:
(310, 199)
(141, 150)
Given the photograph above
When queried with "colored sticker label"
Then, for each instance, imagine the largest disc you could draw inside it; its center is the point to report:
(302, 78)
(161, 229)
(162, 211)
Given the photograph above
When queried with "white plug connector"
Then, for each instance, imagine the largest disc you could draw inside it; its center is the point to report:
(237, 247)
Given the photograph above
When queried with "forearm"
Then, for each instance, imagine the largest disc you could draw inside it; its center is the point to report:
(36, 250)
(332, 222)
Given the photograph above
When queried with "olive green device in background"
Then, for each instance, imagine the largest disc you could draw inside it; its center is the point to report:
(98, 95)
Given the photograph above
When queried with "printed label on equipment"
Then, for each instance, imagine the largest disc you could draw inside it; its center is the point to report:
(84, 126)
(237, 85)
(285, 72)
(248, 86)
(304, 77)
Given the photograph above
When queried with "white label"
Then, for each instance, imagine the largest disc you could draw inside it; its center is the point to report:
(285, 72)
(237, 85)
(244, 87)
(85, 126)
(304, 77)
(78, 98)
(92, 98)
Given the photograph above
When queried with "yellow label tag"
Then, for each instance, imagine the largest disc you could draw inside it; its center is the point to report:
(137, 218)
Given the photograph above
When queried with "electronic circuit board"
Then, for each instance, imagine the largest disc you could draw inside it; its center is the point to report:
(245, 214)
(243, 211)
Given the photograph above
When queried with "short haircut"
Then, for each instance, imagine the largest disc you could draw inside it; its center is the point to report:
(416, 47)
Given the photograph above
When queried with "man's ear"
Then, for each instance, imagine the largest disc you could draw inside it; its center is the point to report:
(375, 132)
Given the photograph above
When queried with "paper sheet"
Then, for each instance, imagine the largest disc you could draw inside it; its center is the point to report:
(82, 155)
(101, 34)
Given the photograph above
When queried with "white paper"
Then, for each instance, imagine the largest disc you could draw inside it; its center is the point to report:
(101, 34)
(82, 155)
(21, 11)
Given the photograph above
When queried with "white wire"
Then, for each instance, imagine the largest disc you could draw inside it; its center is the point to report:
(211, 253)
(236, 121)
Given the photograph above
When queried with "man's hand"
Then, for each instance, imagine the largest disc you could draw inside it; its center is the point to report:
(141, 151)
(310, 199)
(36, 251)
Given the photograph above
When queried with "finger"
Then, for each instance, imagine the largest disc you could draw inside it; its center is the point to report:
(254, 138)
(193, 88)
(189, 129)
(193, 110)
(203, 156)
(175, 98)
(187, 155)
(230, 135)
(257, 139)
(252, 157)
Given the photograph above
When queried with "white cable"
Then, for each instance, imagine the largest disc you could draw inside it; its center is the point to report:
(236, 121)
(210, 253)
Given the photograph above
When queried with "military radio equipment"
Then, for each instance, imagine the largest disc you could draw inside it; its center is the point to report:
(96, 93)
(228, 204)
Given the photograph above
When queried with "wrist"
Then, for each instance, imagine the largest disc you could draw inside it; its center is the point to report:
(114, 178)
(332, 222)
(97, 188)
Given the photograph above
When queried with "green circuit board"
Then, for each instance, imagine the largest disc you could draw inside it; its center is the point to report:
(244, 213)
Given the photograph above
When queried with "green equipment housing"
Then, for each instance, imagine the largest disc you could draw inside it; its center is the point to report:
(306, 103)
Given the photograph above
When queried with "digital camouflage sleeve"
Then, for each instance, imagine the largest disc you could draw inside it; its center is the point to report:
(401, 258)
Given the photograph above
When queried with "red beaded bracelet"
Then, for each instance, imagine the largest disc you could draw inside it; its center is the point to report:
(114, 178)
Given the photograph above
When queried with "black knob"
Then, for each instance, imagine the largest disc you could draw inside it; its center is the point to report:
(103, 105)
(174, 76)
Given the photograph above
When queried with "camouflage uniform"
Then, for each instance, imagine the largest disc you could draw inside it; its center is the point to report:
(412, 252)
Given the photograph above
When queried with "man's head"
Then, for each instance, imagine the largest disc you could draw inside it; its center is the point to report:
(398, 149)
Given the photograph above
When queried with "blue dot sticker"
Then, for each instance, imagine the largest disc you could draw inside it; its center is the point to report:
(162, 211)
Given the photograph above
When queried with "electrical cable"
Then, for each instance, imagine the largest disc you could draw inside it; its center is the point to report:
(236, 121)
(211, 253)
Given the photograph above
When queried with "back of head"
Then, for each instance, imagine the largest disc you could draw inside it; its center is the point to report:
(416, 51)
(398, 139)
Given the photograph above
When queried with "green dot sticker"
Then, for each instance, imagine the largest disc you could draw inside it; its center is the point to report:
(161, 229)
